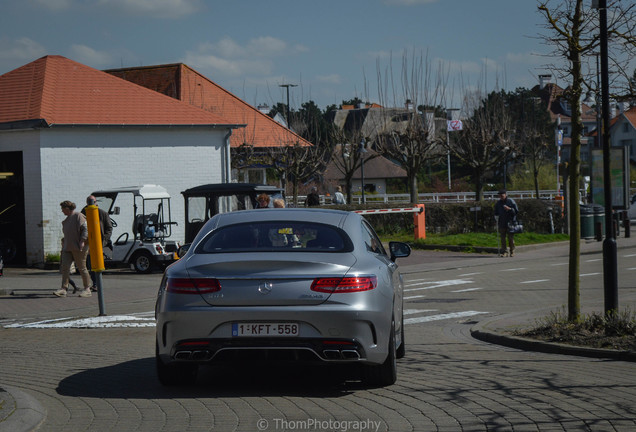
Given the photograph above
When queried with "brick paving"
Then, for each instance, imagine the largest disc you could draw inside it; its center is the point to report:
(96, 379)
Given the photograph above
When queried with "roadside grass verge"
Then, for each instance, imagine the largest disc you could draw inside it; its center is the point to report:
(471, 240)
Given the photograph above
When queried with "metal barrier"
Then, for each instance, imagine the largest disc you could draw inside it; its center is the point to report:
(419, 219)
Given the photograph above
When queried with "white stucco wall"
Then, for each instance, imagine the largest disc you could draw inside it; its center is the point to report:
(77, 161)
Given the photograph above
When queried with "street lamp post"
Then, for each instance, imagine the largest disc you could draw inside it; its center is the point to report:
(287, 86)
(558, 138)
(362, 150)
(610, 264)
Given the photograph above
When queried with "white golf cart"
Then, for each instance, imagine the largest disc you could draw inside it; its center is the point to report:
(142, 244)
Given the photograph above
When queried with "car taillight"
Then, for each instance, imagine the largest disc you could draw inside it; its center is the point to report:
(344, 285)
(159, 249)
(192, 286)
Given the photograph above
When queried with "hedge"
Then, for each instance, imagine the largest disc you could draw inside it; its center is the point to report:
(455, 218)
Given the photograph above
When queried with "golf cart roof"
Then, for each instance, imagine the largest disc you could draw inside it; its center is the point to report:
(148, 191)
(231, 189)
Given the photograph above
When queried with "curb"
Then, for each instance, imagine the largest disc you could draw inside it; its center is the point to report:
(24, 414)
(480, 331)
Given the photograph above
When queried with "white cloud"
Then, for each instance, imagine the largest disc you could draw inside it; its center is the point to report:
(153, 8)
(229, 57)
(90, 57)
(20, 49)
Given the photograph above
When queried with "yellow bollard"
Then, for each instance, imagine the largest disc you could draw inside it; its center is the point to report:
(95, 239)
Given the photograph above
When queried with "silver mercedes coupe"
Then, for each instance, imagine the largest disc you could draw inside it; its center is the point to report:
(293, 284)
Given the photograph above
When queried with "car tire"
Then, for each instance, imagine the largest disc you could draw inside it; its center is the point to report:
(386, 373)
(400, 352)
(142, 262)
(175, 374)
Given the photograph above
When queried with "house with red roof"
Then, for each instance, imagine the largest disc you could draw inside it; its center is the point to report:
(183, 83)
(67, 129)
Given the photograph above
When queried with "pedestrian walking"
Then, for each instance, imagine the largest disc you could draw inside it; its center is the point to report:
(506, 211)
(74, 248)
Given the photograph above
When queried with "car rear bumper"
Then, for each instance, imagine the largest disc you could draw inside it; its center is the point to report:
(329, 335)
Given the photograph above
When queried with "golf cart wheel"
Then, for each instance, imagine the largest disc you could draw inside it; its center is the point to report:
(142, 262)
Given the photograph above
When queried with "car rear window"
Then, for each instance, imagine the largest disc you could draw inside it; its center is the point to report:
(275, 237)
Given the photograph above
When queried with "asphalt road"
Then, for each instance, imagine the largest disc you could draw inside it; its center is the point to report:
(66, 367)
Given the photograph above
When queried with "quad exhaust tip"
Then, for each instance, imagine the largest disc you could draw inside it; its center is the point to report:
(341, 354)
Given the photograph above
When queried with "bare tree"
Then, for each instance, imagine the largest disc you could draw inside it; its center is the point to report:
(347, 155)
(407, 135)
(485, 142)
(297, 163)
(573, 33)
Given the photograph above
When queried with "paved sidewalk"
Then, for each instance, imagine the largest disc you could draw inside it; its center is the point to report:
(21, 412)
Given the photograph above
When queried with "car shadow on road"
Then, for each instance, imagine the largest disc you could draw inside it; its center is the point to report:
(137, 379)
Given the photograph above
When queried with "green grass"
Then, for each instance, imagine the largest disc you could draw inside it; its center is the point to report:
(473, 239)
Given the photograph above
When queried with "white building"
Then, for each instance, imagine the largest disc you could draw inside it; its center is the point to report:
(67, 130)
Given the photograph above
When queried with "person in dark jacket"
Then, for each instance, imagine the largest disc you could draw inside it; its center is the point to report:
(313, 199)
(505, 211)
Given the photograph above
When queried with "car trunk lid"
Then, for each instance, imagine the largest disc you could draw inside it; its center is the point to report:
(274, 279)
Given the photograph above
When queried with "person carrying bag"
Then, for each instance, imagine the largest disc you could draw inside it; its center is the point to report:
(506, 211)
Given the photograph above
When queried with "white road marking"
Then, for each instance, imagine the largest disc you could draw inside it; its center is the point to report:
(513, 269)
(629, 256)
(414, 297)
(632, 268)
(466, 290)
(414, 311)
(594, 260)
(110, 321)
(469, 274)
(439, 284)
(535, 281)
(441, 317)
(589, 274)
(559, 264)
(416, 281)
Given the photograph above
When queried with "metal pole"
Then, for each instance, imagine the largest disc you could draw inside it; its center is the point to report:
(556, 140)
(362, 151)
(610, 267)
(448, 158)
(287, 86)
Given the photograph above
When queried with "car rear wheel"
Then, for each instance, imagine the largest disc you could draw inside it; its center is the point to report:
(386, 373)
(175, 374)
(142, 262)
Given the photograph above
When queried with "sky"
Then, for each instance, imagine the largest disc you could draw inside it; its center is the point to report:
(333, 50)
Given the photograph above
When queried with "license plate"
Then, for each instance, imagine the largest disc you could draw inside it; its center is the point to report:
(265, 329)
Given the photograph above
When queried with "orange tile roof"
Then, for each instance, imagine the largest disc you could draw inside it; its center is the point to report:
(184, 83)
(63, 92)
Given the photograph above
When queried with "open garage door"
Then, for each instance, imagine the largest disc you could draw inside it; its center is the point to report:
(12, 231)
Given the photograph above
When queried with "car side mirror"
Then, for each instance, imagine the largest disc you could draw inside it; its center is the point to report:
(399, 250)
(183, 250)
